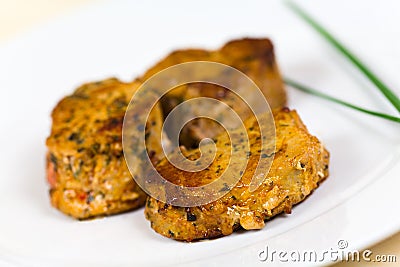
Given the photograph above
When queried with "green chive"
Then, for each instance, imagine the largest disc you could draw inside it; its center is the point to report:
(389, 94)
(306, 89)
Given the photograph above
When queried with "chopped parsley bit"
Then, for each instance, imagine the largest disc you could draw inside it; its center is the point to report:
(148, 204)
(225, 188)
(53, 160)
(90, 199)
(190, 217)
(140, 127)
(266, 155)
(172, 234)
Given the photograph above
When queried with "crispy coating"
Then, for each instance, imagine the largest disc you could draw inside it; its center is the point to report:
(86, 168)
(300, 164)
(86, 171)
(254, 57)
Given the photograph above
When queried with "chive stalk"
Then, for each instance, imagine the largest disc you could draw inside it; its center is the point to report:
(314, 92)
(389, 94)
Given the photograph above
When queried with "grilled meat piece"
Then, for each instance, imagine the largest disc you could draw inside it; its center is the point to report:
(86, 171)
(300, 164)
(254, 57)
(86, 168)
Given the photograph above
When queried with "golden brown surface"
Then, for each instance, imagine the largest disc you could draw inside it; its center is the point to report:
(300, 163)
(254, 57)
(86, 169)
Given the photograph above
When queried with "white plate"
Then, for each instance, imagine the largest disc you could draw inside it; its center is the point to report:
(122, 38)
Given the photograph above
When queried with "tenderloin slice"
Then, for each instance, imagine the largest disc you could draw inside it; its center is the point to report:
(254, 57)
(300, 164)
(86, 168)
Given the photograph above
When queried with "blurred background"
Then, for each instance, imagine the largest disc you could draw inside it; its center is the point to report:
(20, 16)
(17, 16)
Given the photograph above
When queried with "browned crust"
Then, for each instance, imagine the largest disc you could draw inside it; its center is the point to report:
(252, 56)
(300, 164)
(86, 169)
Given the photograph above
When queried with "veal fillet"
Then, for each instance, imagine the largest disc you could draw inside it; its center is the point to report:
(300, 163)
(86, 168)
(254, 57)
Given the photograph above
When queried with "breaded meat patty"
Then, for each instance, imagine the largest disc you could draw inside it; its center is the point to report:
(86, 168)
